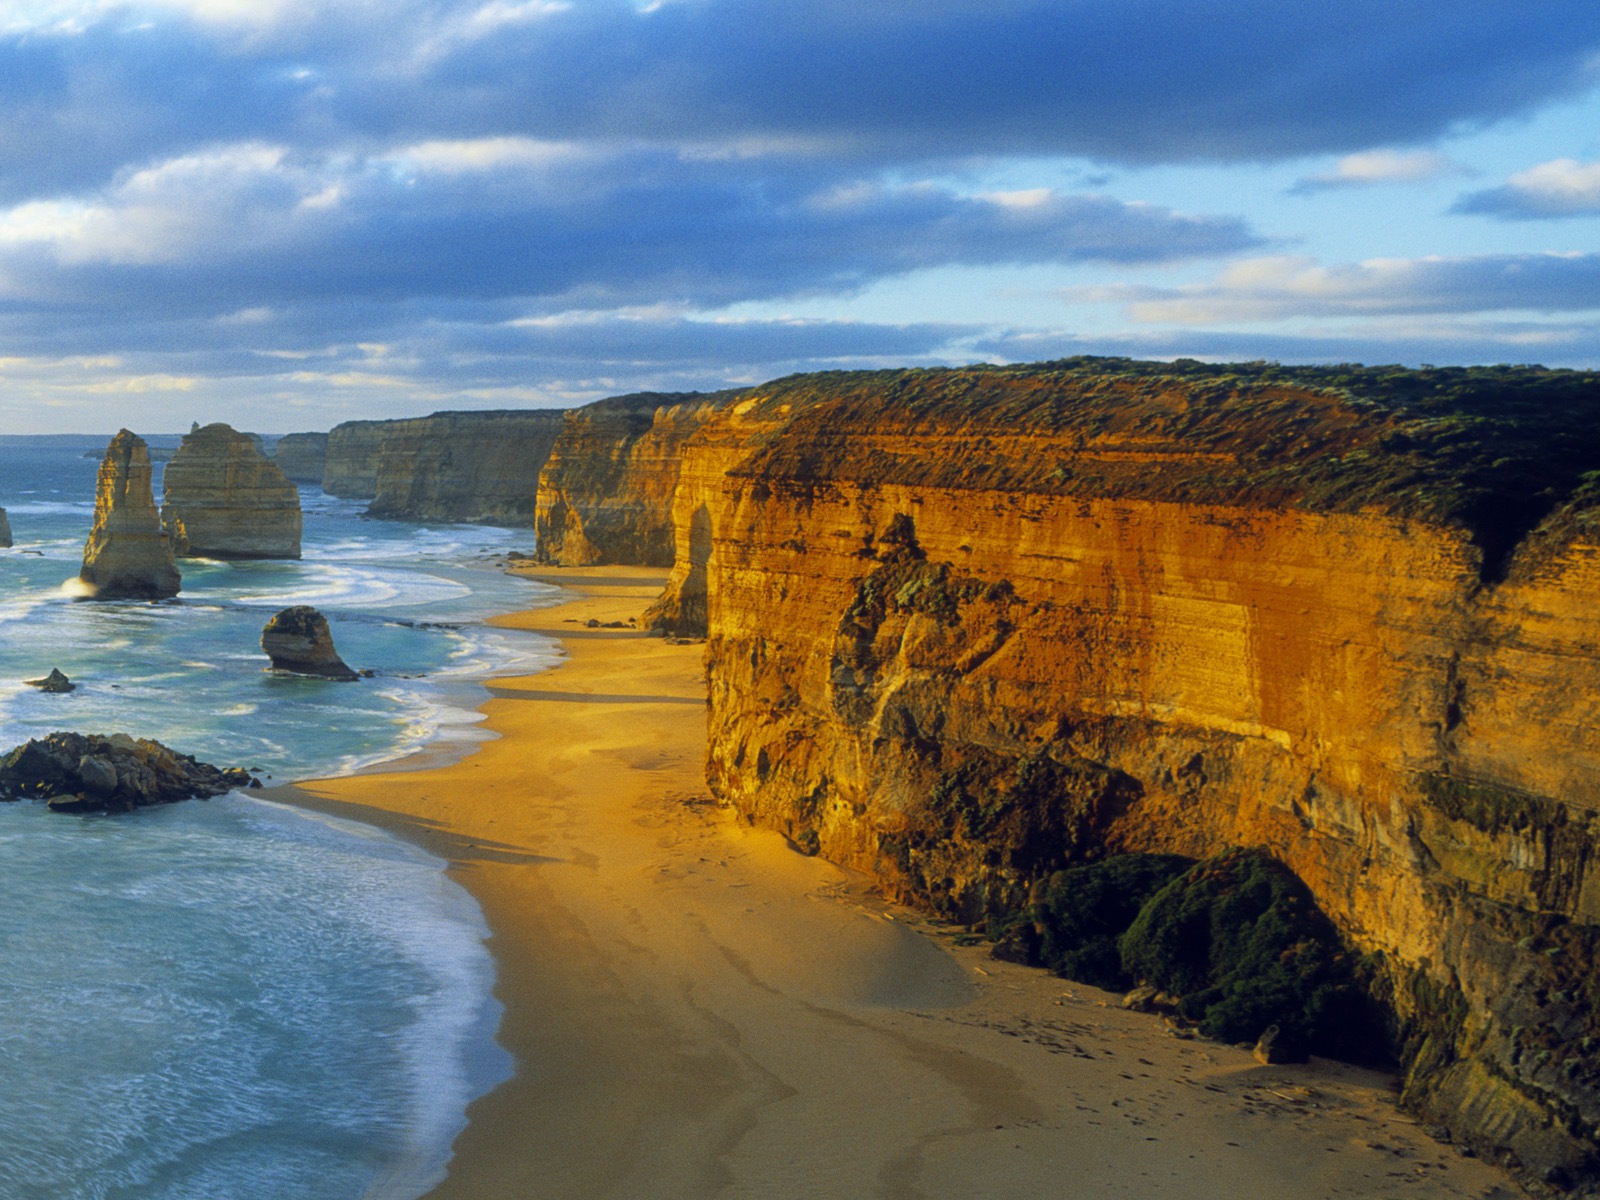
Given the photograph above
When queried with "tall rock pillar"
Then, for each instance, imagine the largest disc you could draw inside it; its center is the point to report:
(127, 555)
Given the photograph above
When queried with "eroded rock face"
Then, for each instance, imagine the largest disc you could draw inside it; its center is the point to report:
(350, 464)
(605, 494)
(128, 554)
(298, 640)
(967, 628)
(224, 499)
(480, 467)
(302, 457)
(78, 772)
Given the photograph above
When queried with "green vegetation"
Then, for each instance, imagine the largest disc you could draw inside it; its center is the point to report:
(1237, 938)
(1241, 940)
(1082, 912)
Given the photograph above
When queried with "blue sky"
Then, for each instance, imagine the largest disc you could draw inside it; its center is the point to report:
(289, 213)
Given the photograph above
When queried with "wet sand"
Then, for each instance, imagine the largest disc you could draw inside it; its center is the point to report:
(696, 1009)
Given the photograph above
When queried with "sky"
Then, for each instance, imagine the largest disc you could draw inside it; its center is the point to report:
(289, 213)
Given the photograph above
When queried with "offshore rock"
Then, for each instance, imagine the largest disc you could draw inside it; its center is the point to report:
(5, 530)
(128, 555)
(480, 467)
(53, 682)
(298, 640)
(225, 499)
(78, 772)
(605, 494)
(969, 627)
(302, 457)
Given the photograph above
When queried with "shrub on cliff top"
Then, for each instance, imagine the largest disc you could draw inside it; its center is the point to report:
(1241, 940)
(1081, 912)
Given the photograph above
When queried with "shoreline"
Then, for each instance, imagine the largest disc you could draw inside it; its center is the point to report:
(696, 1009)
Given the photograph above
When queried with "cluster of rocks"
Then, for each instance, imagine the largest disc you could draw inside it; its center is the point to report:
(77, 772)
(223, 499)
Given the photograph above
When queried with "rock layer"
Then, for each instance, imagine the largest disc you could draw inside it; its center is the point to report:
(350, 459)
(302, 457)
(128, 555)
(224, 499)
(966, 628)
(478, 467)
(298, 640)
(605, 494)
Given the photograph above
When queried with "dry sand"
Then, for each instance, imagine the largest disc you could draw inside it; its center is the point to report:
(696, 1009)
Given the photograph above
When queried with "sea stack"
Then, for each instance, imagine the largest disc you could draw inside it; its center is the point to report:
(298, 640)
(5, 531)
(223, 498)
(127, 556)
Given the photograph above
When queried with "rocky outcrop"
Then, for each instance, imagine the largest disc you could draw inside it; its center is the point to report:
(128, 554)
(298, 640)
(5, 530)
(54, 682)
(224, 499)
(350, 466)
(302, 457)
(605, 494)
(77, 772)
(969, 627)
(480, 467)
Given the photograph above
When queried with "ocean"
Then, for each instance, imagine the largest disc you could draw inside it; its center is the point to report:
(235, 998)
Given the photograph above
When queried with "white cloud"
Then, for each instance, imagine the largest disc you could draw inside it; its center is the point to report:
(1282, 288)
(1373, 167)
(463, 155)
(1562, 187)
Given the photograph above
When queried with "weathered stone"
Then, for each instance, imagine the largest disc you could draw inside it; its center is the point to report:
(1275, 1046)
(480, 467)
(224, 499)
(5, 530)
(298, 640)
(605, 494)
(350, 465)
(303, 457)
(53, 682)
(128, 554)
(78, 772)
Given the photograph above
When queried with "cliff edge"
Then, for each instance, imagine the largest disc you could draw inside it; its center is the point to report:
(479, 467)
(966, 628)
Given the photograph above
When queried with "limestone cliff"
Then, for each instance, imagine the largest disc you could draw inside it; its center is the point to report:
(303, 457)
(128, 555)
(967, 627)
(350, 459)
(605, 494)
(222, 498)
(463, 466)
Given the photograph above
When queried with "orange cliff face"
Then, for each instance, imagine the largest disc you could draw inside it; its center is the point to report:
(965, 628)
(605, 492)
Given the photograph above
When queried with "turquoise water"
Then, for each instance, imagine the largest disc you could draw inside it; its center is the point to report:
(231, 998)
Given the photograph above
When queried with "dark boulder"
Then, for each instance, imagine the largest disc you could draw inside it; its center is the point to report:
(53, 682)
(298, 640)
(77, 772)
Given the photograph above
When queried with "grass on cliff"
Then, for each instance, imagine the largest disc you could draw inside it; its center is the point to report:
(1237, 938)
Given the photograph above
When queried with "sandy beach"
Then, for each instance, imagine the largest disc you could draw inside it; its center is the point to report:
(696, 1009)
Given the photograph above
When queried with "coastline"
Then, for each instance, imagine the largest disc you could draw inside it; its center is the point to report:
(696, 1009)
